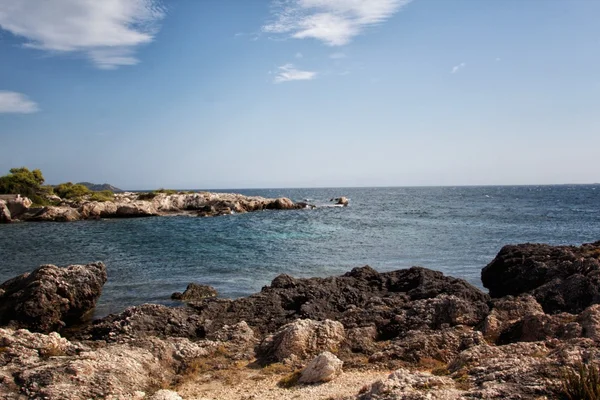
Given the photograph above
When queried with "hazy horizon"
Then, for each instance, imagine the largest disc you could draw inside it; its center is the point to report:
(301, 93)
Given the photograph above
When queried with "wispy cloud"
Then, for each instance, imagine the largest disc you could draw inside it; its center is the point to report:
(458, 67)
(498, 59)
(337, 56)
(16, 103)
(288, 72)
(108, 32)
(299, 55)
(335, 22)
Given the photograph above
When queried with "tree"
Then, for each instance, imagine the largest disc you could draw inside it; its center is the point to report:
(22, 181)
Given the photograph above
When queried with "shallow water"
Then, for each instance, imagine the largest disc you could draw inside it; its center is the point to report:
(457, 230)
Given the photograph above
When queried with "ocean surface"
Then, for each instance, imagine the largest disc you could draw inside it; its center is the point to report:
(457, 230)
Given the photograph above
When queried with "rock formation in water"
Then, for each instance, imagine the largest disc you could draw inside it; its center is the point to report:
(444, 338)
(135, 205)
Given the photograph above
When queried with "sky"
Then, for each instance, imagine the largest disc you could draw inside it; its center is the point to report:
(144, 94)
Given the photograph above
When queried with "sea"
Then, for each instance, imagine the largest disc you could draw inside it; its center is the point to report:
(456, 230)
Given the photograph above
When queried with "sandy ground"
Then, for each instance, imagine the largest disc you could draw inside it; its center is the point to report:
(246, 385)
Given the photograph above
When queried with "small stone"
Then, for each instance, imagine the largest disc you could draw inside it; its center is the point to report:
(323, 368)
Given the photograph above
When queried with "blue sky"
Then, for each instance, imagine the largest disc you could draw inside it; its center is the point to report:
(301, 93)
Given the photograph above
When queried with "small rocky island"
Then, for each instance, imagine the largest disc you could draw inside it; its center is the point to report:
(136, 205)
(406, 334)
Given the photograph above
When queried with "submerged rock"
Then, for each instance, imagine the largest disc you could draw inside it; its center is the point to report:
(51, 297)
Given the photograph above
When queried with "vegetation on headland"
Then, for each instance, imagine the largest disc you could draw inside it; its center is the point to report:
(29, 184)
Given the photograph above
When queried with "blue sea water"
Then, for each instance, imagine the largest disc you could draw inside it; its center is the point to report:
(457, 230)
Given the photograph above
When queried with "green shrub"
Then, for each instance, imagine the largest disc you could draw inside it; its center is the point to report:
(582, 383)
(104, 195)
(165, 191)
(70, 191)
(147, 196)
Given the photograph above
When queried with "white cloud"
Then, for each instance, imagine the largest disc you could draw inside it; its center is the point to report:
(299, 55)
(337, 56)
(288, 73)
(458, 67)
(18, 103)
(498, 59)
(335, 22)
(107, 31)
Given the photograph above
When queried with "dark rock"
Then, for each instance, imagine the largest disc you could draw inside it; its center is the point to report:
(392, 302)
(541, 327)
(51, 297)
(146, 320)
(561, 278)
(195, 292)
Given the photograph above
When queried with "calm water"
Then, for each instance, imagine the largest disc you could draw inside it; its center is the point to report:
(457, 230)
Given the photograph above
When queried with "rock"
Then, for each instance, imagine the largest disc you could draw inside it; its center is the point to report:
(54, 214)
(343, 201)
(403, 384)
(392, 302)
(165, 394)
(5, 215)
(97, 209)
(418, 345)
(323, 368)
(561, 278)
(143, 321)
(281, 203)
(18, 205)
(541, 327)
(506, 311)
(51, 297)
(135, 209)
(50, 367)
(301, 339)
(195, 292)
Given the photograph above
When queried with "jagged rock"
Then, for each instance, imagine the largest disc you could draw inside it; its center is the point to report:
(97, 209)
(418, 345)
(561, 278)
(51, 367)
(540, 327)
(51, 297)
(323, 368)
(195, 292)
(281, 203)
(301, 339)
(5, 215)
(146, 320)
(392, 302)
(506, 311)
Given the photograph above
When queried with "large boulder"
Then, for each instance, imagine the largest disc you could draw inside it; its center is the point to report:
(135, 209)
(561, 278)
(51, 297)
(301, 339)
(323, 368)
(18, 205)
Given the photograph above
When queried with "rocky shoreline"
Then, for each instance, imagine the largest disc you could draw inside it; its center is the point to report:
(136, 205)
(406, 334)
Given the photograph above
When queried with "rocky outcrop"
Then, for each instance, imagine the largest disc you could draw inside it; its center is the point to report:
(561, 278)
(391, 302)
(323, 368)
(195, 292)
(51, 297)
(135, 205)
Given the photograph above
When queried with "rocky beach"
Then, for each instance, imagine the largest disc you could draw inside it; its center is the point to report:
(406, 334)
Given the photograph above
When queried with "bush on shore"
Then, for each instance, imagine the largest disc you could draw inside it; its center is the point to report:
(104, 195)
(69, 190)
(26, 183)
